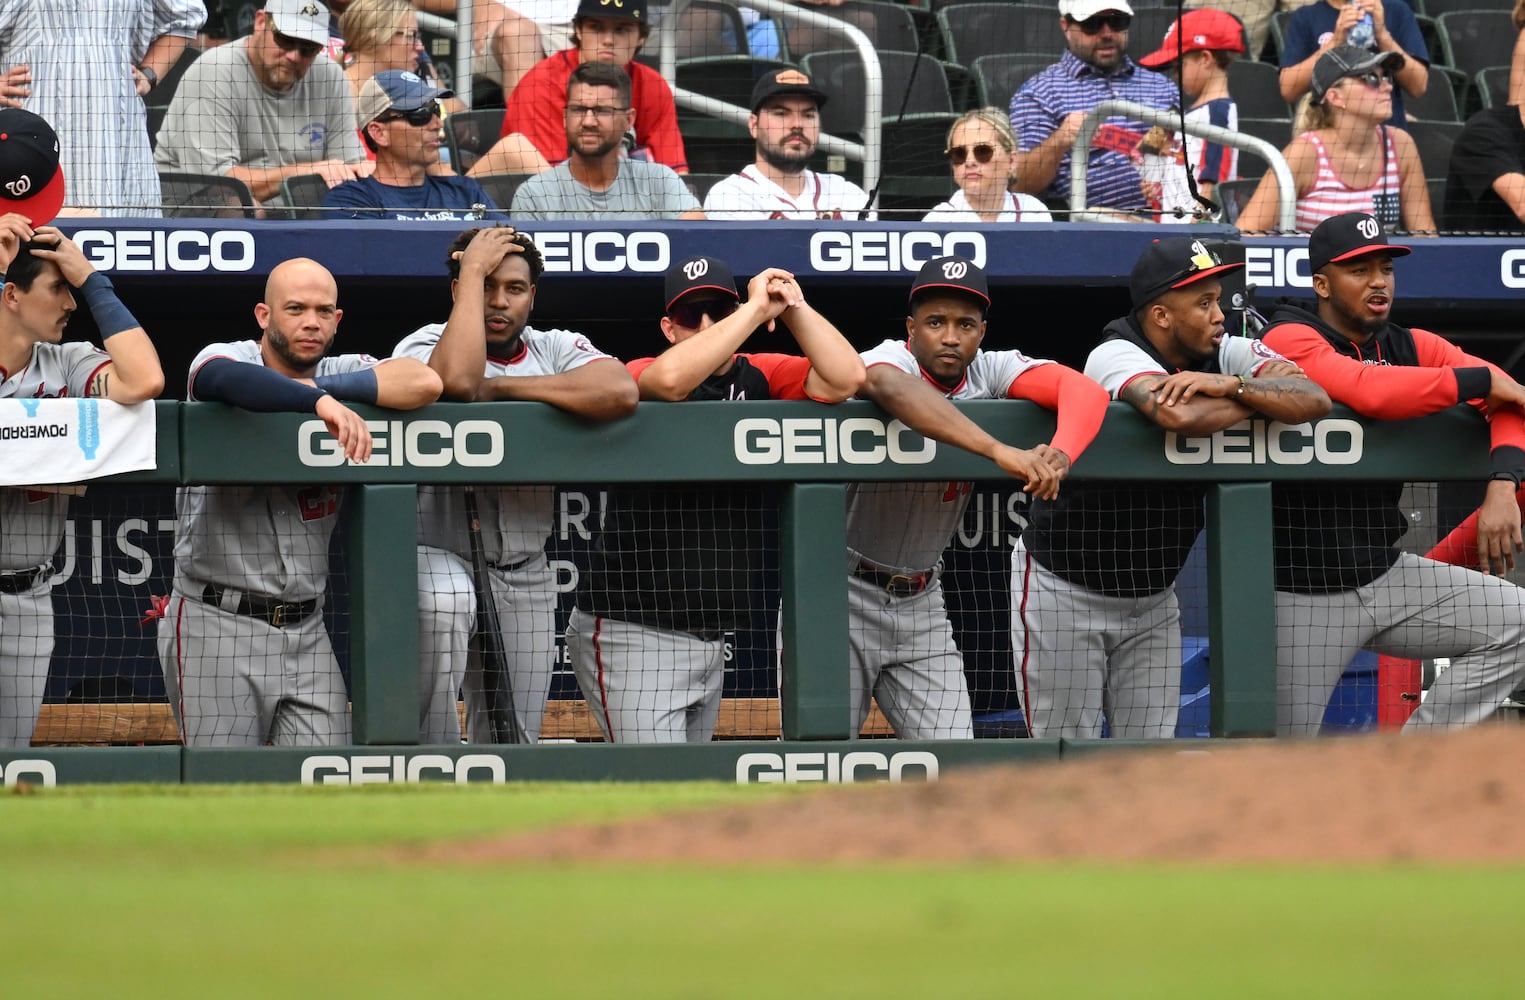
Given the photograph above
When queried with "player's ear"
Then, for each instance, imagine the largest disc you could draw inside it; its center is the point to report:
(1321, 285)
(262, 315)
(666, 325)
(910, 327)
(338, 315)
(454, 284)
(752, 124)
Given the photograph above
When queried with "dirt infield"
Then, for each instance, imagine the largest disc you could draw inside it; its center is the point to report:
(1454, 798)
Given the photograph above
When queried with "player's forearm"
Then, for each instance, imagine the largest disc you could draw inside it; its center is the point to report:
(135, 373)
(925, 410)
(1079, 402)
(460, 356)
(252, 387)
(405, 384)
(680, 368)
(836, 371)
(599, 390)
(1291, 400)
(1200, 415)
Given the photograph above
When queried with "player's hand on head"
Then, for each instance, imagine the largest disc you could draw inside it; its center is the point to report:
(488, 248)
(347, 427)
(14, 231)
(65, 253)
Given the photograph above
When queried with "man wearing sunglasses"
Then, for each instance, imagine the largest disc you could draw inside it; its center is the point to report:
(1048, 111)
(270, 108)
(673, 569)
(402, 126)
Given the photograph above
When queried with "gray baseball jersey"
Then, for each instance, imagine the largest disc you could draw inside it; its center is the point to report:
(31, 528)
(900, 641)
(516, 521)
(265, 540)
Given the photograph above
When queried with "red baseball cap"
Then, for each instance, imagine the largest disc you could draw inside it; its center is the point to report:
(1194, 31)
(31, 183)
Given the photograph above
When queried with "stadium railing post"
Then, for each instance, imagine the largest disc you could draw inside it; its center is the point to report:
(815, 694)
(1241, 579)
(383, 571)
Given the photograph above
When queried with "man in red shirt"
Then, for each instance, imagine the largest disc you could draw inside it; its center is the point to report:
(1341, 582)
(603, 33)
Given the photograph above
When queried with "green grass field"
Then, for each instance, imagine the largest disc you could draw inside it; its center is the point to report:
(283, 892)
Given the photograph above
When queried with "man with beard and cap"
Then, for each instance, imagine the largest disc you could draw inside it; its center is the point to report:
(1095, 623)
(1341, 582)
(487, 350)
(246, 658)
(673, 567)
(900, 640)
(786, 122)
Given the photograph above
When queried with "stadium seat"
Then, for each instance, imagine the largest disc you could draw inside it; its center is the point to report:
(501, 187)
(1276, 131)
(1492, 85)
(1435, 8)
(972, 30)
(205, 196)
(303, 195)
(1438, 103)
(913, 85)
(700, 184)
(469, 134)
(1256, 89)
(1234, 195)
(1279, 31)
(914, 172)
(1476, 39)
(1434, 141)
(998, 77)
(725, 78)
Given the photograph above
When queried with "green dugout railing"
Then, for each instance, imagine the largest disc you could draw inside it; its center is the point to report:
(814, 451)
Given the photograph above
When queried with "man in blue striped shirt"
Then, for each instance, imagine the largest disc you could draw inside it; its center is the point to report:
(1046, 113)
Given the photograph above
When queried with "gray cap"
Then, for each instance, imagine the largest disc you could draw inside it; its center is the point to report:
(1348, 60)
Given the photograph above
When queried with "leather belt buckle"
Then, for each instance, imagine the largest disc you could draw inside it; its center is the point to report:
(278, 612)
(905, 585)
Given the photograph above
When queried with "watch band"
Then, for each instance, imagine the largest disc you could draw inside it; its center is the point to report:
(150, 76)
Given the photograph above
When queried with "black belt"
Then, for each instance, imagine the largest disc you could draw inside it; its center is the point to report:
(277, 613)
(896, 584)
(510, 567)
(22, 580)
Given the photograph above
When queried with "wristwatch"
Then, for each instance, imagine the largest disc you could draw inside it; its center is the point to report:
(150, 76)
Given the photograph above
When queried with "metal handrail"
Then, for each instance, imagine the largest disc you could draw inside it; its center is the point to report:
(1286, 209)
(869, 151)
(457, 29)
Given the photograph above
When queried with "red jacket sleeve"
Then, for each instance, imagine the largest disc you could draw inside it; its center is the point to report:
(786, 374)
(656, 117)
(1387, 392)
(1506, 427)
(538, 106)
(1080, 404)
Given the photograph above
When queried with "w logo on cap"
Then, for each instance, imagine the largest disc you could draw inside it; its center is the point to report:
(19, 187)
(955, 270)
(696, 269)
(1368, 228)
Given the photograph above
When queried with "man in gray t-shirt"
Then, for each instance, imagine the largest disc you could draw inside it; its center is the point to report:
(596, 182)
(269, 107)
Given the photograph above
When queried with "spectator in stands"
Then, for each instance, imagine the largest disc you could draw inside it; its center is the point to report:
(269, 108)
(383, 34)
(1046, 114)
(982, 152)
(1329, 24)
(786, 123)
(1197, 51)
(597, 182)
(1485, 190)
(610, 34)
(89, 69)
(1255, 15)
(402, 126)
(1344, 158)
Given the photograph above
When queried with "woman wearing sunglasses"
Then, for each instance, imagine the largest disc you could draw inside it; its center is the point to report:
(982, 153)
(1344, 158)
(383, 34)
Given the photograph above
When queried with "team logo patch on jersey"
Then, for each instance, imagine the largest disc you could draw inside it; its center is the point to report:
(1259, 349)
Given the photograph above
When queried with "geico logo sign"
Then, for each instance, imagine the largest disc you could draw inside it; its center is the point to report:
(828, 440)
(1336, 441)
(870, 251)
(37, 772)
(603, 253)
(835, 768)
(1512, 269)
(174, 250)
(425, 444)
(384, 769)
(1278, 267)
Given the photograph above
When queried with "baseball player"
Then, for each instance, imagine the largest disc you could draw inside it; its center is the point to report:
(42, 271)
(246, 657)
(672, 567)
(1095, 624)
(1341, 583)
(901, 641)
(486, 350)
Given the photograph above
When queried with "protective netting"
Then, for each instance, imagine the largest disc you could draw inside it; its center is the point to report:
(218, 109)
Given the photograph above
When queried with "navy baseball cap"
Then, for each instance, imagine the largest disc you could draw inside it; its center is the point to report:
(1348, 60)
(699, 274)
(628, 10)
(1172, 263)
(957, 273)
(785, 82)
(395, 89)
(31, 183)
(1343, 237)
